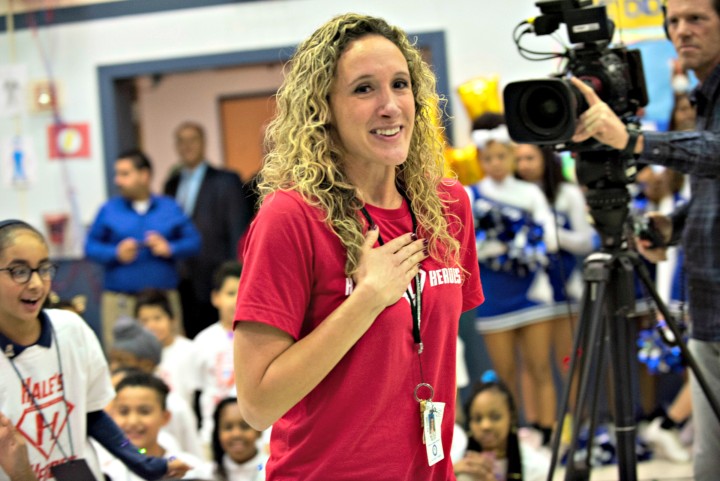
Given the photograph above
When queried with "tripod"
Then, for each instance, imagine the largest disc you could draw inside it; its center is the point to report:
(607, 300)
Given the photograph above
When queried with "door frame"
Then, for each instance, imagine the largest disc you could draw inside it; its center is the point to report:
(116, 114)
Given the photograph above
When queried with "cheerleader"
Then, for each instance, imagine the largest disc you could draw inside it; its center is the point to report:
(575, 235)
(515, 234)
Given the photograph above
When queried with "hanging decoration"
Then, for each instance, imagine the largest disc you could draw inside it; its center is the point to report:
(69, 141)
(13, 85)
(19, 163)
(464, 162)
(481, 95)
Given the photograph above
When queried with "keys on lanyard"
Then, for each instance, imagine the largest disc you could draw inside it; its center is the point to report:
(423, 407)
(431, 414)
(424, 403)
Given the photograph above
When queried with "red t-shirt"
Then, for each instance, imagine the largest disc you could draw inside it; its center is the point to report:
(361, 421)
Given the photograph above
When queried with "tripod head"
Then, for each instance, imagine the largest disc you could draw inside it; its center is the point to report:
(605, 174)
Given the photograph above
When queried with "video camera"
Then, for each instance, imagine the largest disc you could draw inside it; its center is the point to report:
(545, 111)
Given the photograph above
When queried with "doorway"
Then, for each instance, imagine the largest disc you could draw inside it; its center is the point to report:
(117, 115)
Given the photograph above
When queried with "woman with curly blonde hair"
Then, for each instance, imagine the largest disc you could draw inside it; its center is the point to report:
(357, 266)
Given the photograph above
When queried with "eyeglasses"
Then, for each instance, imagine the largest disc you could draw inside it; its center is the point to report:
(22, 274)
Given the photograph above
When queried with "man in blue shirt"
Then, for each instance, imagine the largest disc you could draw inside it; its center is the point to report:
(694, 28)
(138, 237)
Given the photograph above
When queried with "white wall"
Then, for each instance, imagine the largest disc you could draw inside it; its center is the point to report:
(478, 37)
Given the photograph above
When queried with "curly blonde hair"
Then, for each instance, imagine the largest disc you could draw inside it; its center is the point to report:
(302, 155)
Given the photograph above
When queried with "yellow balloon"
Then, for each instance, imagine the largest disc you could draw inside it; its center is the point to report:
(463, 161)
(481, 95)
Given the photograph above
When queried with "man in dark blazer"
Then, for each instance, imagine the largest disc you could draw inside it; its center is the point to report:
(215, 200)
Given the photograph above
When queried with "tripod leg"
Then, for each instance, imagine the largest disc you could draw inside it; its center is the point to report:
(622, 344)
(576, 365)
(599, 375)
(593, 315)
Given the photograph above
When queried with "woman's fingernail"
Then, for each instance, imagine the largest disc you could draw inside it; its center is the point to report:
(413, 236)
(373, 227)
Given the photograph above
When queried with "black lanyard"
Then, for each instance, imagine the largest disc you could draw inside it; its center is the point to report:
(416, 300)
(28, 390)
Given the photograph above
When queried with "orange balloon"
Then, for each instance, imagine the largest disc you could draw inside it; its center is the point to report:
(481, 95)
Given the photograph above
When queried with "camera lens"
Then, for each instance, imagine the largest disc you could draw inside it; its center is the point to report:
(541, 111)
(545, 109)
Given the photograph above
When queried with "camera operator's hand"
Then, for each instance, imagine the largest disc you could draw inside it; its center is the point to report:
(599, 121)
(663, 226)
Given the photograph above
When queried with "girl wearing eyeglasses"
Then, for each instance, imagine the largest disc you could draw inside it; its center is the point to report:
(55, 381)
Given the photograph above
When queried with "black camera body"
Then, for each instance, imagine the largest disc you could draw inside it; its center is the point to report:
(545, 111)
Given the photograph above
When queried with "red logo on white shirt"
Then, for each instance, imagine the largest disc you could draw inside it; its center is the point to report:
(32, 424)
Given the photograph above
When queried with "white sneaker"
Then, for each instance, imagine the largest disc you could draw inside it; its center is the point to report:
(666, 442)
(687, 433)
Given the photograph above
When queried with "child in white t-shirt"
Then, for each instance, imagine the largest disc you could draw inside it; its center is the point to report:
(213, 348)
(154, 312)
(236, 447)
(136, 347)
(55, 379)
(139, 409)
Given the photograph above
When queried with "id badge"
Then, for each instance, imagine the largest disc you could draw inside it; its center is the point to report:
(432, 418)
(74, 470)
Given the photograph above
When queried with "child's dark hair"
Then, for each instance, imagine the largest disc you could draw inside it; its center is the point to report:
(125, 371)
(552, 176)
(10, 226)
(226, 269)
(217, 450)
(514, 459)
(153, 297)
(143, 379)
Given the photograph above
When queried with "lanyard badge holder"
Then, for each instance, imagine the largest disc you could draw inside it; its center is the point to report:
(71, 469)
(431, 413)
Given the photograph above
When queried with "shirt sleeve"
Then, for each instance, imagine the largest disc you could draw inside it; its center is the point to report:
(694, 153)
(465, 233)
(97, 245)
(579, 238)
(99, 388)
(276, 282)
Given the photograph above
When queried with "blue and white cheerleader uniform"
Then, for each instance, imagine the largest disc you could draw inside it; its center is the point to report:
(575, 241)
(514, 234)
